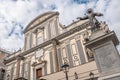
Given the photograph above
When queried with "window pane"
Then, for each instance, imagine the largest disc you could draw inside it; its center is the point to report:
(64, 52)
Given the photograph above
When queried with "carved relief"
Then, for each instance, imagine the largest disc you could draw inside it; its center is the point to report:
(104, 27)
(106, 57)
(86, 36)
(90, 54)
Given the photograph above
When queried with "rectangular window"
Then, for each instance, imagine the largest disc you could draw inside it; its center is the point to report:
(45, 33)
(39, 37)
(74, 49)
(34, 39)
(64, 53)
(27, 38)
(52, 26)
(39, 73)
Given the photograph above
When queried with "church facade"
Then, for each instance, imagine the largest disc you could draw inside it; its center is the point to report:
(48, 45)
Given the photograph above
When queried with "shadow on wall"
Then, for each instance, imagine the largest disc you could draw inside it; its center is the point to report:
(118, 47)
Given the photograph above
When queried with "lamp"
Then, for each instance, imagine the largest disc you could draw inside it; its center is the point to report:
(91, 76)
(76, 75)
(2, 73)
(65, 68)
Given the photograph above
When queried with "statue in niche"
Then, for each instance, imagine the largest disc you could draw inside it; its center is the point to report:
(90, 54)
(94, 23)
(86, 36)
(104, 27)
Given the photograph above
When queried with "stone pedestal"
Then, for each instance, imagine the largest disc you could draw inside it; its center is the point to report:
(106, 55)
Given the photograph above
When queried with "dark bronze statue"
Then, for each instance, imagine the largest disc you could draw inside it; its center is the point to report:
(94, 23)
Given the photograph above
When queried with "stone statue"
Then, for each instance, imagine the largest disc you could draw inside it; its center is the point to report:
(104, 27)
(90, 54)
(94, 23)
(86, 36)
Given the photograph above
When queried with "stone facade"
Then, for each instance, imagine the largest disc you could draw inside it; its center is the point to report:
(3, 54)
(47, 46)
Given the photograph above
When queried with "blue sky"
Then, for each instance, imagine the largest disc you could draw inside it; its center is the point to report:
(16, 14)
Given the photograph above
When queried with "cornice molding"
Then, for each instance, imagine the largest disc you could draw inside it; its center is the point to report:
(59, 37)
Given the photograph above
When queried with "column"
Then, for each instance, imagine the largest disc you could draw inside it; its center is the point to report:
(69, 55)
(29, 69)
(59, 57)
(30, 39)
(25, 43)
(56, 26)
(81, 52)
(54, 42)
(19, 58)
(18, 68)
(34, 76)
(34, 37)
(12, 71)
(51, 62)
(49, 32)
(23, 69)
(45, 69)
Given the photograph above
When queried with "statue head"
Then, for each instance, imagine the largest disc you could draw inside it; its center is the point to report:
(89, 11)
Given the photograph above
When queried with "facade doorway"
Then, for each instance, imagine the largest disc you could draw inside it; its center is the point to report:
(38, 73)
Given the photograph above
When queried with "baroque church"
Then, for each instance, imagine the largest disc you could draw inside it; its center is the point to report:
(48, 46)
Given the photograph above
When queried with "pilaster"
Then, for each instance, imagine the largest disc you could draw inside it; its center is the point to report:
(55, 43)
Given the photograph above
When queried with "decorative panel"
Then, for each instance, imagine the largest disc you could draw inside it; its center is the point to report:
(75, 55)
(64, 56)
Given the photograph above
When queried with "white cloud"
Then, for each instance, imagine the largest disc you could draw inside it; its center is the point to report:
(17, 13)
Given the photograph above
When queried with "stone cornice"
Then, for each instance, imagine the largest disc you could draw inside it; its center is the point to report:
(59, 37)
(104, 38)
(37, 63)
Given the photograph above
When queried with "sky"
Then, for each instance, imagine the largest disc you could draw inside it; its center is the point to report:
(16, 14)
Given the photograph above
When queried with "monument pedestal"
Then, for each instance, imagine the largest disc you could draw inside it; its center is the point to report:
(106, 55)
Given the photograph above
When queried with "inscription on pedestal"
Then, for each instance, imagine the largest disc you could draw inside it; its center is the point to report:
(107, 57)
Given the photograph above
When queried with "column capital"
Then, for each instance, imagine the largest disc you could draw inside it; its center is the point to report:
(55, 42)
(20, 57)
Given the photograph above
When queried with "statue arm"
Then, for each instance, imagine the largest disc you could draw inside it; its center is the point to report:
(98, 14)
(83, 18)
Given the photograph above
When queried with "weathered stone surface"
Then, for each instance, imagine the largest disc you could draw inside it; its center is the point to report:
(107, 59)
(106, 55)
(114, 78)
(97, 34)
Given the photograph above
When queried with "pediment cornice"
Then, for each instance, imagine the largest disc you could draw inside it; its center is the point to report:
(39, 20)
